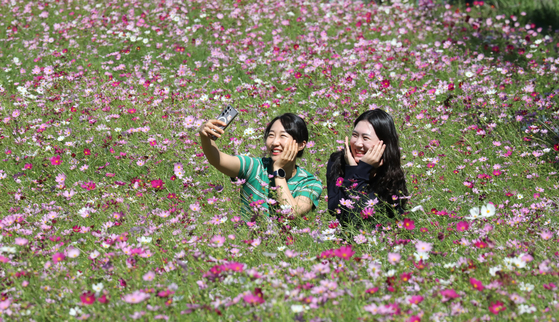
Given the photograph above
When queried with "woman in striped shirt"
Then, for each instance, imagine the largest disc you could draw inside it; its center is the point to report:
(297, 191)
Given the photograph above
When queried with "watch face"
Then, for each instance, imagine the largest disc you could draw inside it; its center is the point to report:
(281, 173)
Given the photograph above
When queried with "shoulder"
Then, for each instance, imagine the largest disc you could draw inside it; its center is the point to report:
(304, 177)
(335, 155)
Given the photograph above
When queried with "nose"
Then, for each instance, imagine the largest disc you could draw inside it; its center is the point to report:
(359, 142)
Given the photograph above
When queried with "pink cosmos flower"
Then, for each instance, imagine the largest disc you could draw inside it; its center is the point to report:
(21, 241)
(135, 297)
(339, 182)
(394, 258)
(416, 299)
(234, 266)
(157, 184)
(409, 224)
(546, 235)
(87, 298)
(149, 276)
(462, 226)
(367, 212)
(449, 294)
(89, 185)
(476, 284)
(344, 252)
(73, 252)
(28, 166)
(496, 307)
(56, 160)
(58, 257)
(422, 246)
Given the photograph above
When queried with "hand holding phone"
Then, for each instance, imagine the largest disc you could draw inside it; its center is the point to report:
(227, 116)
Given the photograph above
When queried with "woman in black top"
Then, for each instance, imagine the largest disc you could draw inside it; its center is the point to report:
(367, 174)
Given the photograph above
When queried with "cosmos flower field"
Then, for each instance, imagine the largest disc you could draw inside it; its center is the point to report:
(109, 209)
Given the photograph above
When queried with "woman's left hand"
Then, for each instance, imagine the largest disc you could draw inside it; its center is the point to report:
(374, 155)
(288, 155)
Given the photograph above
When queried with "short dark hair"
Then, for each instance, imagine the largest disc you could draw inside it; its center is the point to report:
(294, 126)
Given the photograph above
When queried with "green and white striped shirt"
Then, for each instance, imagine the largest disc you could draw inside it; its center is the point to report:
(256, 190)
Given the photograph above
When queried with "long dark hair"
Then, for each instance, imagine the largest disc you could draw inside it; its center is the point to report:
(389, 179)
(294, 125)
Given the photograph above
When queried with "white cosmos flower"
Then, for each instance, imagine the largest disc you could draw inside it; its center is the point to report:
(98, 287)
(523, 308)
(421, 256)
(144, 240)
(527, 287)
(494, 270)
(487, 210)
(75, 311)
(474, 214)
(469, 74)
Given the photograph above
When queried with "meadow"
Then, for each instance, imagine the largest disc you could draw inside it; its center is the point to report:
(110, 211)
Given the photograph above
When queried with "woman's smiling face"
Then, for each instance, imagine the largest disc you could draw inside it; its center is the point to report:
(363, 138)
(277, 140)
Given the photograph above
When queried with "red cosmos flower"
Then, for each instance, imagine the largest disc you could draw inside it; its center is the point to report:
(476, 284)
(87, 151)
(58, 257)
(298, 75)
(372, 290)
(480, 244)
(385, 83)
(451, 86)
(339, 182)
(56, 160)
(157, 184)
(497, 307)
(405, 277)
(87, 298)
(556, 147)
(419, 265)
(344, 252)
(409, 224)
(296, 46)
(462, 226)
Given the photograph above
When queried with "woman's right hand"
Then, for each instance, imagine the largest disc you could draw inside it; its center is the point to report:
(348, 156)
(212, 128)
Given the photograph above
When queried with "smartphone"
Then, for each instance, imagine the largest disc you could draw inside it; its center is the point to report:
(227, 116)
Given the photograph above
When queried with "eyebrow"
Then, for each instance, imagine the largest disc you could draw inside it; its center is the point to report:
(367, 134)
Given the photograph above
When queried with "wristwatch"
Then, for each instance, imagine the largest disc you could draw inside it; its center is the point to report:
(279, 173)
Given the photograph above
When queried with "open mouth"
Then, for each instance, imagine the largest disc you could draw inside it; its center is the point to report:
(359, 153)
(276, 152)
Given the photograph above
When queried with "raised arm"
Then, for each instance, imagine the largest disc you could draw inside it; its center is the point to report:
(225, 163)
